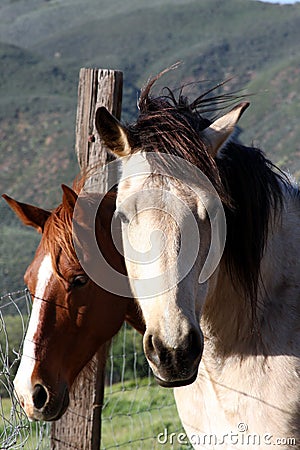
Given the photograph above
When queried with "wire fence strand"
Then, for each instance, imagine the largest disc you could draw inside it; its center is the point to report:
(16, 431)
(136, 410)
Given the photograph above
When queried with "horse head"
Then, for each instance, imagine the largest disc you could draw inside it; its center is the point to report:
(71, 314)
(171, 210)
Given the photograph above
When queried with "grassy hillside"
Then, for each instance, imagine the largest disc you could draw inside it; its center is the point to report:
(43, 44)
(272, 123)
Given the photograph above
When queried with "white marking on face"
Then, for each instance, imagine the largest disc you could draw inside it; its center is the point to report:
(22, 381)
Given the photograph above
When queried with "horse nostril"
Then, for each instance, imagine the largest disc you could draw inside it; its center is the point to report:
(39, 396)
(151, 349)
(149, 343)
(195, 343)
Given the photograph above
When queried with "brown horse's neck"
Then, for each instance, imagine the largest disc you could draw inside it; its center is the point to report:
(134, 317)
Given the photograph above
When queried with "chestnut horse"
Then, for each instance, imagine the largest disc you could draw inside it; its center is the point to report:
(71, 314)
(211, 235)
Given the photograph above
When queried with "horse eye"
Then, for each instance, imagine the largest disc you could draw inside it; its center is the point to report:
(122, 217)
(79, 280)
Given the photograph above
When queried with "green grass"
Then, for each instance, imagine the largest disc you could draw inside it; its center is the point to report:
(17, 432)
(134, 415)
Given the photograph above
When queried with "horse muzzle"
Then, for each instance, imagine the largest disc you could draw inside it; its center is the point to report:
(39, 404)
(177, 365)
(176, 383)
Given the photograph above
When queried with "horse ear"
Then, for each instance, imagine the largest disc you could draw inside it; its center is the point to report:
(112, 132)
(28, 214)
(69, 197)
(221, 129)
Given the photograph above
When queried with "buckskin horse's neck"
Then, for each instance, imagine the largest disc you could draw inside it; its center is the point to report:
(227, 321)
(226, 317)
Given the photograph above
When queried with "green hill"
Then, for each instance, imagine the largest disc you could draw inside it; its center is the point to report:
(44, 43)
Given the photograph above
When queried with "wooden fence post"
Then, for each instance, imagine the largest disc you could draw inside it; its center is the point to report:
(80, 427)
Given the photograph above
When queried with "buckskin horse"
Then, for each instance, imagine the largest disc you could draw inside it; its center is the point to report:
(222, 326)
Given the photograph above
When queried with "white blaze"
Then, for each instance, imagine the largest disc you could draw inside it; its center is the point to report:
(22, 381)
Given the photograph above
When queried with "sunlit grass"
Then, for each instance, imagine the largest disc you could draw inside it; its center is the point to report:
(136, 412)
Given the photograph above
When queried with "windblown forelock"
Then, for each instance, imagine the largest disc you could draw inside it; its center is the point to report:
(165, 126)
(58, 238)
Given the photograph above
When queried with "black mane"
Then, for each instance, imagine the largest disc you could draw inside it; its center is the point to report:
(255, 187)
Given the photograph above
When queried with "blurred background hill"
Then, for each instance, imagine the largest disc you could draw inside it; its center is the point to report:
(44, 43)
